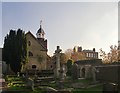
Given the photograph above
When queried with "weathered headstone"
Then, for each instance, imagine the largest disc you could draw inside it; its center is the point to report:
(35, 76)
(30, 84)
(23, 76)
(75, 70)
(26, 75)
(18, 74)
(94, 71)
(62, 72)
(61, 84)
(110, 87)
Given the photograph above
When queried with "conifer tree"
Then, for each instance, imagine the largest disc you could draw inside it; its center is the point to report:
(15, 50)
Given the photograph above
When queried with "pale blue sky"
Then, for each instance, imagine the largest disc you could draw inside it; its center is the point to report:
(86, 24)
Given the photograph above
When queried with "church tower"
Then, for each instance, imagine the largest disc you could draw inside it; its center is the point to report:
(40, 36)
(40, 33)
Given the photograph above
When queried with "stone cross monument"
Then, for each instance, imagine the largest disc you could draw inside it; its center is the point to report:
(57, 69)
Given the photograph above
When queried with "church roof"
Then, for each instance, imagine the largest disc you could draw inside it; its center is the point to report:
(40, 30)
(36, 40)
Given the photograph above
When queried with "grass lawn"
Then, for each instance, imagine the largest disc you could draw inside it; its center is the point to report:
(96, 89)
(25, 90)
(16, 88)
(84, 81)
(67, 84)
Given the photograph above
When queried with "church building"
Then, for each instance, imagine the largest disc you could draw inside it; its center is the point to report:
(37, 51)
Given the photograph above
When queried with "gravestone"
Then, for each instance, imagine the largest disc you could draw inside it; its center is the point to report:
(61, 84)
(26, 74)
(23, 75)
(94, 71)
(30, 84)
(18, 74)
(63, 72)
(110, 87)
(75, 72)
(35, 76)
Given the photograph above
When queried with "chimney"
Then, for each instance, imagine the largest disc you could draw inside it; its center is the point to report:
(94, 49)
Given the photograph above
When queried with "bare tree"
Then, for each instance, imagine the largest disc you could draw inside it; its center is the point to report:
(68, 53)
(110, 57)
(63, 58)
(74, 54)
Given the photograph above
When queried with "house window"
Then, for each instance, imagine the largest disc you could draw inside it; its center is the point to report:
(30, 53)
(29, 43)
(91, 54)
(94, 55)
(87, 54)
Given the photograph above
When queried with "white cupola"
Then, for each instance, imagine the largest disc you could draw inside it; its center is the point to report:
(40, 33)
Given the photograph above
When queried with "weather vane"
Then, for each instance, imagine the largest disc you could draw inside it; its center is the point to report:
(40, 22)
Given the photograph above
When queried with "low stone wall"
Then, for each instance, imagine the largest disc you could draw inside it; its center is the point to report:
(109, 73)
(110, 76)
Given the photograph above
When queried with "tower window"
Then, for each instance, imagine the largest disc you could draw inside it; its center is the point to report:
(51, 66)
(29, 43)
(33, 66)
(30, 53)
